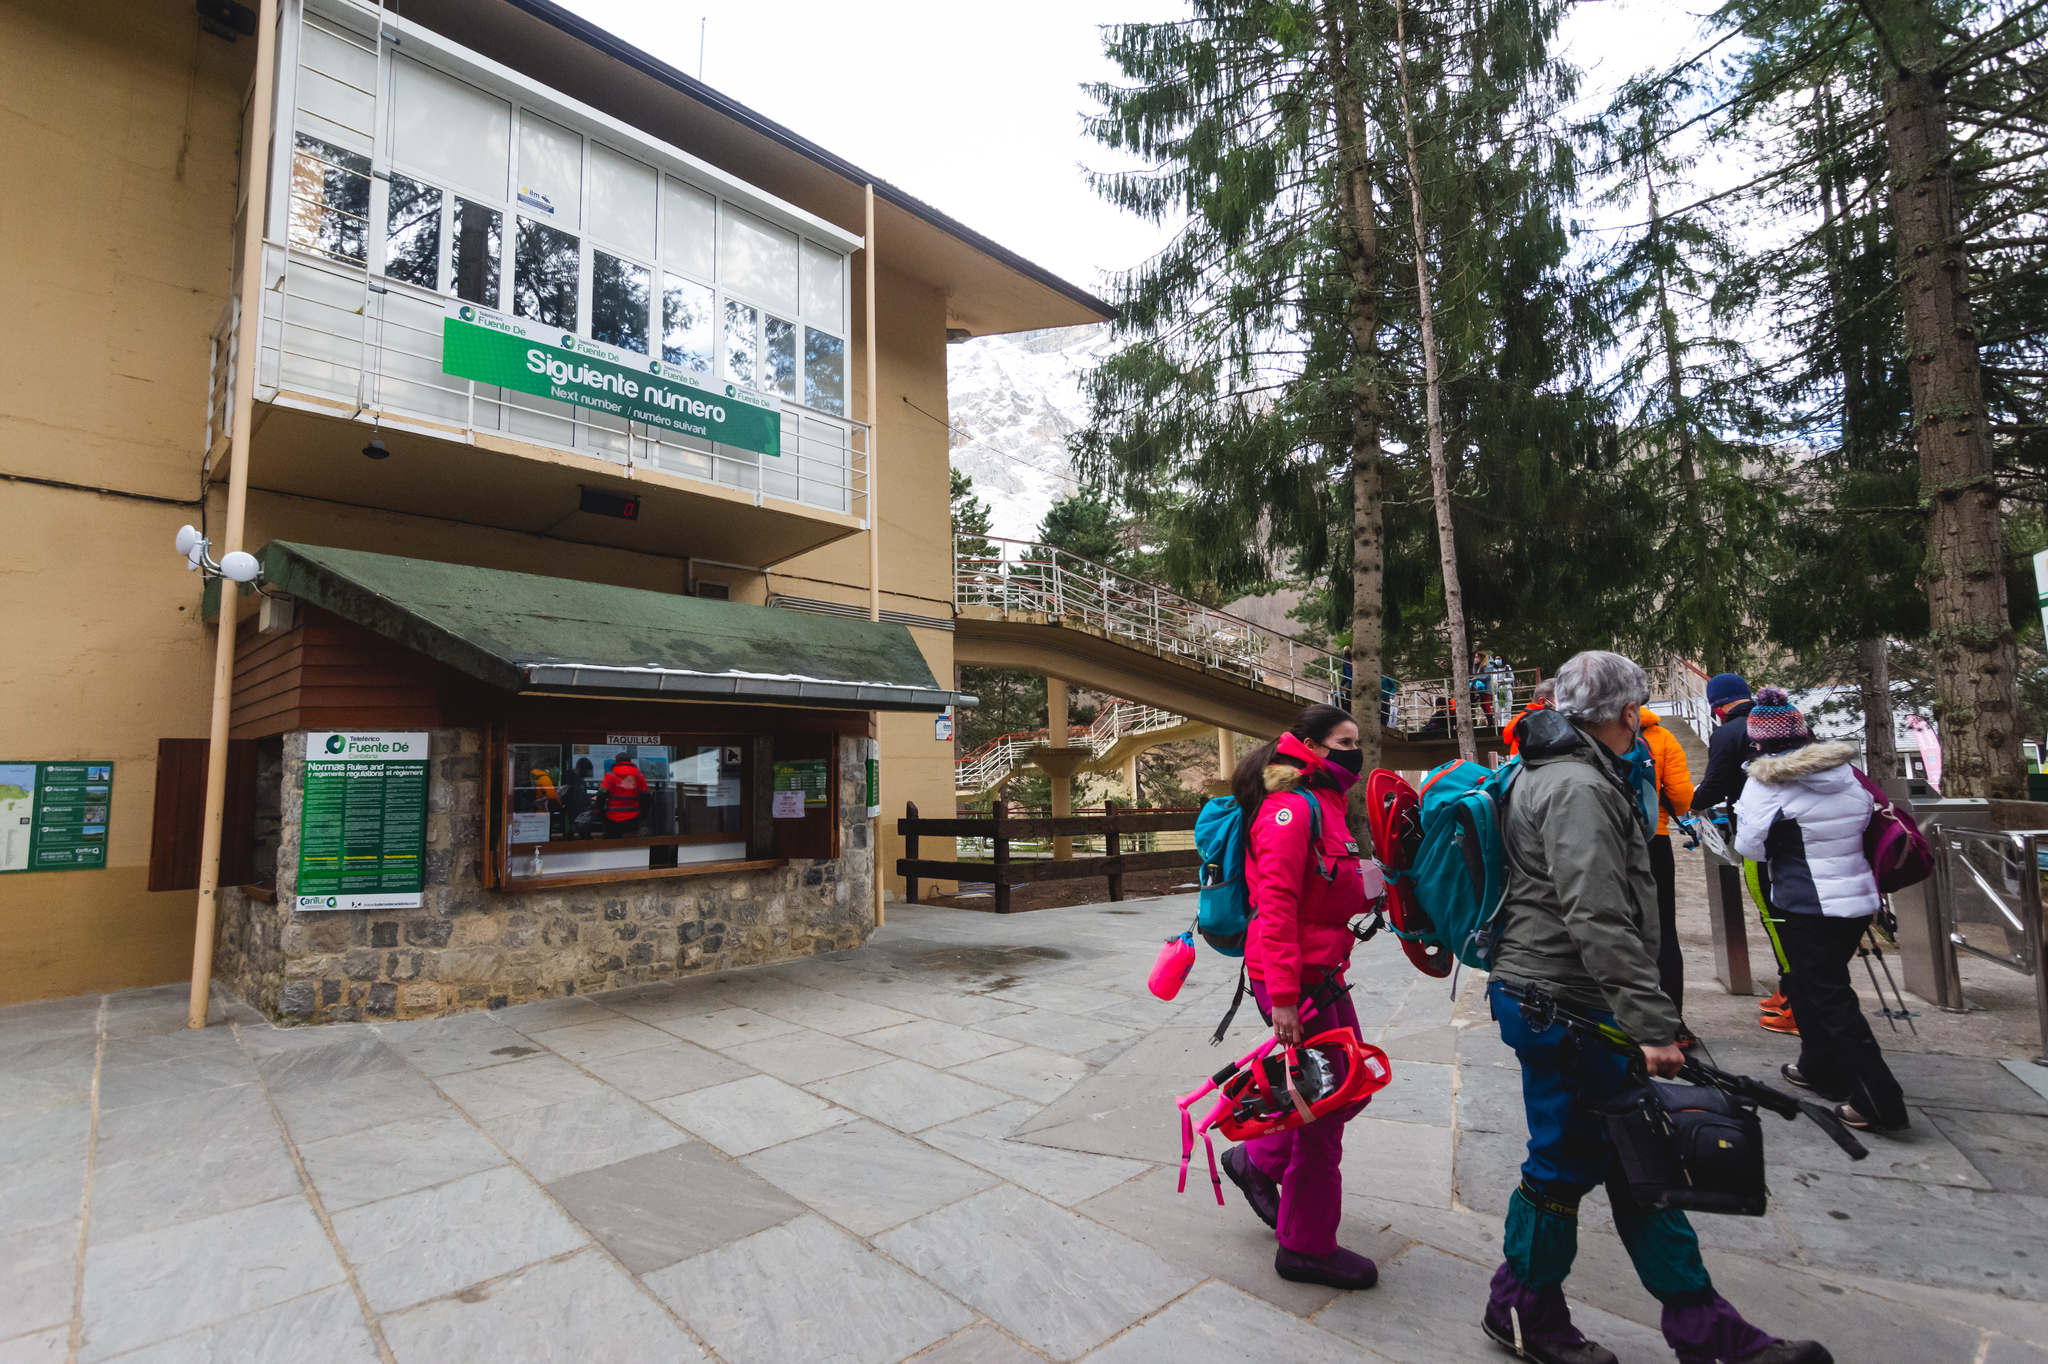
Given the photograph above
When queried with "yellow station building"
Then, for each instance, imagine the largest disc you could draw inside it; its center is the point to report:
(560, 451)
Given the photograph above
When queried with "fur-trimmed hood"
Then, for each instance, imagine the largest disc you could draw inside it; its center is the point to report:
(1283, 777)
(1803, 763)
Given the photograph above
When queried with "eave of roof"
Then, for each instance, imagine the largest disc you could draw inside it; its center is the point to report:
(620, 50)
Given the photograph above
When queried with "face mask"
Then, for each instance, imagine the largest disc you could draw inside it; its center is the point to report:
(1352, 760)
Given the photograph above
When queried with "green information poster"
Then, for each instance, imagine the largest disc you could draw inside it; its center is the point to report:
(53, 816)
(491, 348)
(363, 821)
(808, 775)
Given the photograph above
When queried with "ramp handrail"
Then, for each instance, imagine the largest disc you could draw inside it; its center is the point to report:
(1016, 577)
(987, 765)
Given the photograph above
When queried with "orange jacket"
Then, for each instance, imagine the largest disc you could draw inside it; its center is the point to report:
(1508, 735)
(1674, 778)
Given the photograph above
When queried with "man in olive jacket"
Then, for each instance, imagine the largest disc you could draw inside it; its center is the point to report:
(1580, 912)
(1579, 920)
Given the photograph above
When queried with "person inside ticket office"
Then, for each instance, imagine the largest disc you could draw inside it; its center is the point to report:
(624, 797)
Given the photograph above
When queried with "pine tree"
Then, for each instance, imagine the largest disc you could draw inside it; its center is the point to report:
(1009, 701)
(1241, 414)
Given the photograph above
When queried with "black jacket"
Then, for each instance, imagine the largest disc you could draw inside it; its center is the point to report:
(1727, 751)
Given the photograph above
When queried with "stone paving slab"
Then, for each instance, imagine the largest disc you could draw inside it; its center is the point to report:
(807, 1291)
(956, 1144)
(327, 1326)
(866, 1177)
(1056, 1280)
(656, 1209)
(551, 1312)
(421, 1245)
(747, 1115)
(145, 1288)
(1217, 1324)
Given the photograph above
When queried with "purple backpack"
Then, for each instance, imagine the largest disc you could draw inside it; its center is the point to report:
(1897, 850)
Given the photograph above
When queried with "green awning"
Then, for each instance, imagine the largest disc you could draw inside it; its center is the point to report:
(522, 632)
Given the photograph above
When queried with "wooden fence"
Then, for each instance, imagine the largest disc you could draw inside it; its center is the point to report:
(1005, 872)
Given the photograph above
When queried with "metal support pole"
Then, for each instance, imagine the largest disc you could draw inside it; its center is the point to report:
(248, 331)
(874, 488)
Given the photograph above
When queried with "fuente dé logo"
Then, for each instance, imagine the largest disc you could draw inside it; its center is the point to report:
(336, 744)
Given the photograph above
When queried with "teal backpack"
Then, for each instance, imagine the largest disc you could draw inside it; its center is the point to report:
(1224, 913)
(1459, 874)
(1224, 909)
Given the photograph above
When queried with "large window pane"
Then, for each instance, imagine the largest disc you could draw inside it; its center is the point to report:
(824, 287)
(686, 339)
(779, 353)
(758, 259)
(330, 199)
(412, 234)
(479, 243)
(689, 218)
(619, 301)
(451, 131)
(544, 275)
(550, 171)
(621, 201)
(824, 372)
(740, 345)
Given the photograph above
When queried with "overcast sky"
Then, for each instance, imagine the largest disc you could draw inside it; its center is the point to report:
(977, 107)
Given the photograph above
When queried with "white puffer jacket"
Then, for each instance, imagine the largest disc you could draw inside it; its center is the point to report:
(1804, 814)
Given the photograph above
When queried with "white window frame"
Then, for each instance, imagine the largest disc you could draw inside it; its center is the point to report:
(529, 98)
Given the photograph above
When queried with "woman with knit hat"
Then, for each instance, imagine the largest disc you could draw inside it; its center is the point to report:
(1803, 813)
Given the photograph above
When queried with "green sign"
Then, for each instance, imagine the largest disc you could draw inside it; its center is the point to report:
(53, 816)
(812, 776)
(491, 348)
(363, 821)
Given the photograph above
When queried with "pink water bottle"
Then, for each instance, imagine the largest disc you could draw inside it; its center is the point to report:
(1176, 959)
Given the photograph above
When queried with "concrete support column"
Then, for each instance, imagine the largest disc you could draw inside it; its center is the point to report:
(1226, 762)
(1062, 774)
(1131, 777)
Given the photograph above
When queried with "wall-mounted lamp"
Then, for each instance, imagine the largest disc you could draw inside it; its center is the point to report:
(236, 565)
(376, 449)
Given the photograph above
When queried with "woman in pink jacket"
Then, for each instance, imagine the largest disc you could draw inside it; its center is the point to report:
(1304, 894)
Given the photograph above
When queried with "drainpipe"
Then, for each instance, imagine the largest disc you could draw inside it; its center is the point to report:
(874, 520)
(248, 330)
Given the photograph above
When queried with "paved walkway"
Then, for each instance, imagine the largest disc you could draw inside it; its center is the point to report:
(956, 1144)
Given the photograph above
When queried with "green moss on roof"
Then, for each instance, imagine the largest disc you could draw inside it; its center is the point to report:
(497, 626)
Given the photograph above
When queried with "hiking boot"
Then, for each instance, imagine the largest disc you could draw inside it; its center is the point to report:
(1713, 1332)
(1852, 1116)
(1341, 1268)
(1788, 1352)
(1261, 1194)
(1535, 1324)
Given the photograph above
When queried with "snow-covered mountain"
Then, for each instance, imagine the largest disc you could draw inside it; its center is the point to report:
(1014, 400)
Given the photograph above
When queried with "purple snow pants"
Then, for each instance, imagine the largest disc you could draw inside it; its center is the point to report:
(1305, 1160)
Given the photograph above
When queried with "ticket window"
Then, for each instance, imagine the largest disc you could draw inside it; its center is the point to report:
(589, 806)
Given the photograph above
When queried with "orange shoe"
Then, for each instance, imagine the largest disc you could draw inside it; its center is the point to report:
(1775, 1015)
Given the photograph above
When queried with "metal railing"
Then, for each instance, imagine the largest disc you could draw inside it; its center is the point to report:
(1424, 706)
(1019, 578)
(1990, 888)
(337, 340)
(996, 759)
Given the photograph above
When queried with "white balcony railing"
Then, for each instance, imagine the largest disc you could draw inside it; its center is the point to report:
(337, 340)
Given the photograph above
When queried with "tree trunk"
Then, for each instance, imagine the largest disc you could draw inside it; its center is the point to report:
(1439, 473)
(1358, 240)
(1874, 681)
(1972, 637)
(1716, 644)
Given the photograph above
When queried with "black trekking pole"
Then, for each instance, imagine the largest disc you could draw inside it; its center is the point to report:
(1876, 949)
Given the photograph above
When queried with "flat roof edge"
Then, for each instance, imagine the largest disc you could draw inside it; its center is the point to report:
(592, 35)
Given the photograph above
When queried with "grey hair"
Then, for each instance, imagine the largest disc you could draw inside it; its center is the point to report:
(1596, 687)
